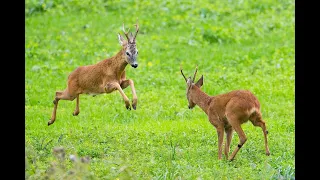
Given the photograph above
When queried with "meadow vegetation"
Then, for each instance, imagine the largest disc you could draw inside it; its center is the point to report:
(236, 44)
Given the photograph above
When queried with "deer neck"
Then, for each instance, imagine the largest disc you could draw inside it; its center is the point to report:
(117, 63)
(200, 98)
(120, 61)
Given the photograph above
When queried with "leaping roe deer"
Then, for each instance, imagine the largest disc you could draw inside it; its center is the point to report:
(227, 112)
(105, 76)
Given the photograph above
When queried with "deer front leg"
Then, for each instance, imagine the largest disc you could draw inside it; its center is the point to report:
(214, 120)
(124, 84)
(220, 132)
(110, 86)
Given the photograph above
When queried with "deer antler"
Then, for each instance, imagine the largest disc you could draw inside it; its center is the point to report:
(126, 33)
(182, 73)
(137, 29)
(194, 76)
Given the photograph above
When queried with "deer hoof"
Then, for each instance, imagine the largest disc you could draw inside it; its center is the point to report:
(128, 107)
(49, 123)
(75, 113)
(134, 106)
(268, 153)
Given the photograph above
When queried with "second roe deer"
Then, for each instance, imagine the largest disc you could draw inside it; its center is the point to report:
(105, 76)
(227, 112)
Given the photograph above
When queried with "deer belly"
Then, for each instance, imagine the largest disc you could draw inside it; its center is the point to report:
(94, 91)
(109, 89)
(93, 94)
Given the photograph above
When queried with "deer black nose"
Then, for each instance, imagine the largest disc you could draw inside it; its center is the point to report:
(134, 65)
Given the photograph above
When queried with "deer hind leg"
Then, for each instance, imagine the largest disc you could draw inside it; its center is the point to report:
(64, 95)
(229, 132)
(124, 84)
(118, 87)
(76, 111)
(235, 123)
(256, 120)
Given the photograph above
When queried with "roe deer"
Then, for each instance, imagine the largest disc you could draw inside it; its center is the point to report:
(105, 76)
(227, 112)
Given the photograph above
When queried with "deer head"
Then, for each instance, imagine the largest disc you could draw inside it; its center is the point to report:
(131, 51)
(190, 85)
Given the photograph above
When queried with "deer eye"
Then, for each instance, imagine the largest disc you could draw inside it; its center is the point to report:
(137, 52)
(127, 53)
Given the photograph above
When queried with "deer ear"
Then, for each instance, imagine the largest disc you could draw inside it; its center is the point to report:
(200, 82)
(189, 83)
(120, 38)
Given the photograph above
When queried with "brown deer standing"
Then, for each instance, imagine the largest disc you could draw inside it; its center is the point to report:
(105, 76)
(227, 112)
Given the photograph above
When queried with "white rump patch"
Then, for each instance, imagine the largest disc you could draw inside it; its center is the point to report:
(252, 110)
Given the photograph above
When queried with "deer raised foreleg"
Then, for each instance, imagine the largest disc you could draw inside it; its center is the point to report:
(64, 95)
(125, 84)
(111, 86)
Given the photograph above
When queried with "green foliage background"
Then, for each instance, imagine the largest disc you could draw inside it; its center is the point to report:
(237, 44)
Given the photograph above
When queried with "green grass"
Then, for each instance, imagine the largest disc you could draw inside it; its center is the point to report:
(236, 45)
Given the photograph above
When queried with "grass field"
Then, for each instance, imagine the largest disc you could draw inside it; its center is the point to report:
(237, 44)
